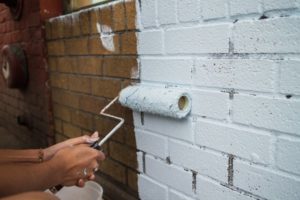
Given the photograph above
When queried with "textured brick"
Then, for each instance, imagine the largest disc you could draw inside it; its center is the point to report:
(84, 20)
(247, 74)
(288, 155)
(208, 189)
(188, 10)
(130, 10)
(248, 144)
(203, 101)
(91, 104)
(213, 9)
(122, 67)
(264, 182)
(199, 160)
(151, 143)
(83, 120)
(123, 154)
(65, 64)
(256, 37)
(148, 16)
(94, 19)
(278, 4)
(166, 11)
(106, 87)
(76, 46)
(150, 42)
(150, 189)
(174, 195)
(114, 169)
(56, 48)
(97, 45)
(67, 20)
(106, 17)
(169, 70)
(169, 174)
(270, 113)
(238, 7)
(59, 80)
(204, 39)
(71, 131)
(129, 43)
(132, 179)
(289, 77)
(80, 84)
(57, 26)
(75, 24)
(88, 66)
(118, 16)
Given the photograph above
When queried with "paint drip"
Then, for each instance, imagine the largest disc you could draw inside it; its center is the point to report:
(107, 39)
(170, 102)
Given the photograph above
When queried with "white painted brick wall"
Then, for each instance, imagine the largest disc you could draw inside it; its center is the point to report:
(265, 182)
(267, 112)
(170, 175)
(234, 140)
(202, 39)
(167, 11)
(199, 160)
(246, 74)
(278, 35)
(238, 7)
(167, 70)
(288, 158)
(240, 61)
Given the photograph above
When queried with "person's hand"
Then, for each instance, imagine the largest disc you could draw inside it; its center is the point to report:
(76, 164)
(51, 151)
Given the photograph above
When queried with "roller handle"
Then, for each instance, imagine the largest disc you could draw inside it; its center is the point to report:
(55, 189)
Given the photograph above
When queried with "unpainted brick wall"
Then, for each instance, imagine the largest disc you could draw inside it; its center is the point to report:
(92, 56)
(31, 103)
(240, 62)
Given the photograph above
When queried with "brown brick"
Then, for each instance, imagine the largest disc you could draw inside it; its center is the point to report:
(123, 154)
(62, 112)
(71, 131)
(65, 64)
(83, 120)
(59, 80)
(69, 99)
(68, 26)
(119, 16)
(96, 47)
(114, 169)
(60, 138)
(130, 14)
(106, 17)
(56, 48)
(129, 135)
(56, 95)
(58, 125)
(80, 84)
(132, 179)
(94, 19)
(88, 65)
(52, 63)
(76, 46)
(48, 30)
(106, 87)
(84, 20)
(91, 104)
(57, 28)
(75, 25)
(129, 44)
(124, 67)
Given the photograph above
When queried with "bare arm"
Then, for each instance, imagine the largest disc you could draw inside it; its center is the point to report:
(64, 168)
(32, 196)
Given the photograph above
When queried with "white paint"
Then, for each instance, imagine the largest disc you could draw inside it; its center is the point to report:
(106, 37)
(145, 99)
(202, 51)
(6, 70)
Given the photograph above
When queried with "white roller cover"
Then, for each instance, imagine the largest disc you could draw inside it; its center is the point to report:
(171, 102)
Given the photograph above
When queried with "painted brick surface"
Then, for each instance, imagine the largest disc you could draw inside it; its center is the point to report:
(239, 61)
(256, 37)
(270, 113)
(203, 39)
(288, 154)
(152, 189)
(240, 142)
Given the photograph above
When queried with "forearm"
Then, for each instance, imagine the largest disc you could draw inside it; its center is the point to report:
(29, 155)
(31, 196)
(16, 178)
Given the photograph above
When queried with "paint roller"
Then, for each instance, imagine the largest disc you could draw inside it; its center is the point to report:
(168, 102)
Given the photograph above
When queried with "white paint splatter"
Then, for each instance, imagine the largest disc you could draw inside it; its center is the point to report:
(106, 38)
